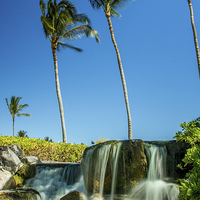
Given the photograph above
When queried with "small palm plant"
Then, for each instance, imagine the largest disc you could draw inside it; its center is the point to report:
(47, 139)
(15, 109)
(110, 9)
(22, 133)
(62, 22)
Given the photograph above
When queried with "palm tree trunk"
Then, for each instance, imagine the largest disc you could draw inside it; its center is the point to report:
(122, 75)
(194, 34)
(13, 126)
(59, 96)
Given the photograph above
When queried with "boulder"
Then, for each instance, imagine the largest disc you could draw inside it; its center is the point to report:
(131, 165)
(9, 160)
(31, 160)
(6, 180)
(175, 153)
(27, 171)
(75, 195)
(17, 150)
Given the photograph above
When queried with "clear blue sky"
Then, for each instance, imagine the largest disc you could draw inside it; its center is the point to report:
(158, 56)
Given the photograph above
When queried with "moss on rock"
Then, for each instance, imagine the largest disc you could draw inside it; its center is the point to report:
(131, 166)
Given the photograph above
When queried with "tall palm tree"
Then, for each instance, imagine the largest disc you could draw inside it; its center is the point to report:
(109, 7)
(60, 22)
(15, 109)
(194, 34)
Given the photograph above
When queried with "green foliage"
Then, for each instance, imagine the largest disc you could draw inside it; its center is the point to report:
(15, 109)
(190, 188)
(60, 21)
(22, 133)
(19, 180)
(61, 152)
(48, 139)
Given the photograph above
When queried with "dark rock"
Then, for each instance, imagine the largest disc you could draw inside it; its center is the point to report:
(20, 194)
(75, 195)
(175, 153)
(131, 166)
(27, 171)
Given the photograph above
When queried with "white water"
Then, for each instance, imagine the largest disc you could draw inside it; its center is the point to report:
(154, 188)
(100, 169)
(53, 183)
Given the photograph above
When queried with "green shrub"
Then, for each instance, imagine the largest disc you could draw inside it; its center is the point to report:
(61, 152)
(190, 188)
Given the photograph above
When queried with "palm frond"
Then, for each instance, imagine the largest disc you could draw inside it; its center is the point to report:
(14, 108)
(42, 6)
(58, 22)
(63, 5)
(23, 114)
(47, 25)
(114, 13)
(118, 4)
(82, 18)
(79, 31)
(97, 4)
(64, 45)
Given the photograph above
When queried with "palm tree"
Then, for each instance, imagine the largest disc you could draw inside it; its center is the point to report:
(60, 22)
(110, 7)
(22, 134)
(194, 34)
(47, 139)
(15, 109)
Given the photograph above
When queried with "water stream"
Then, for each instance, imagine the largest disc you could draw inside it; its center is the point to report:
(53, 183)
(154, 187)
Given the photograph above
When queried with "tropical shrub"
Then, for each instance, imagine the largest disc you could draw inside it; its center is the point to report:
(190, 187)
(22, 134)
(61, 152)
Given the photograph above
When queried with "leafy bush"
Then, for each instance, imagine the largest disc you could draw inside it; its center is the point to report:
(61, 152)
(22, 133)
(190, 188)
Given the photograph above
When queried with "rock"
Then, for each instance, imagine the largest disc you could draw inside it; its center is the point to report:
(31, 160)
(75, 195)
(17, 150)
(6, 180)
(9, 160)
(19, 194)
(131, 166)
(175, 153)
(27, 171)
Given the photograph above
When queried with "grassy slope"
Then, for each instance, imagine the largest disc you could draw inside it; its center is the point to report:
(61, 152)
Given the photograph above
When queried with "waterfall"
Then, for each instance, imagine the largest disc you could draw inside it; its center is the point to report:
(55, 182)
(97, 171)
(154, 187)
(105, 171)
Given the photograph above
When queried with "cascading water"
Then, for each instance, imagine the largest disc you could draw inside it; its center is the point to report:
(55, 182)
(97, 171)
(154, 187)
(102, 167)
